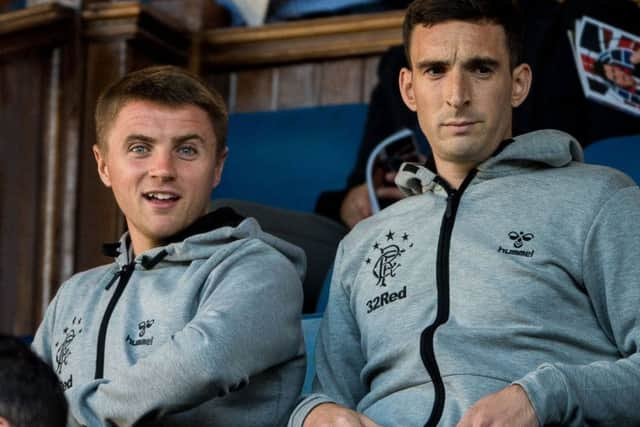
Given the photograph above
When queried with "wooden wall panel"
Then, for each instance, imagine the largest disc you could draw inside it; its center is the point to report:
(21, 87)
(369, 77)
(298, 86)
(252, 90)
(221, 82)
(98, 216)
(341, 82)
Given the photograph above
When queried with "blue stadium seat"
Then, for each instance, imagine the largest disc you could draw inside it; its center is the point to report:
(622, 153)
(286, 158)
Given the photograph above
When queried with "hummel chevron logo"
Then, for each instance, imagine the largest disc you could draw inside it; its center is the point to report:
(519, 239)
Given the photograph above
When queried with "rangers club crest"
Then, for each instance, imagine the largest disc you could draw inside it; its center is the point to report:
(386, 256)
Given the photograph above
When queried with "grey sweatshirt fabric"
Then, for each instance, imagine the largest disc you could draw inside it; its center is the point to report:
(206, 332)
(541, 288)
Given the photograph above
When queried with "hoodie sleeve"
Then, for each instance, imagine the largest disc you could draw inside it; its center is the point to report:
(247, 321)
(605, 393)
(339, 358)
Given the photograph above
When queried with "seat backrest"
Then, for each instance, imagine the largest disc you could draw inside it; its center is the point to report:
(622, 153)
(316, 235)
(287, 158)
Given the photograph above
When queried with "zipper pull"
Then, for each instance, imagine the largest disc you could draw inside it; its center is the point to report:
(113, 280)
(123, 270)
(449, 210)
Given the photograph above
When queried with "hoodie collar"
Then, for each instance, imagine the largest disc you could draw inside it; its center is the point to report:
(222, 217)
(540, 149)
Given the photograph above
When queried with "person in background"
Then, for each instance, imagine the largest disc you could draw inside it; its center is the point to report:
(30, 393)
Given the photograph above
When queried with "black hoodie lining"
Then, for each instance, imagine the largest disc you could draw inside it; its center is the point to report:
(222, 217)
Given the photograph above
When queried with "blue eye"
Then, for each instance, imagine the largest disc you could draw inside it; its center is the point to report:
(138, 149)
(187, 151)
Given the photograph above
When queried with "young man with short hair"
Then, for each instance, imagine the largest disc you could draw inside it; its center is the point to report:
(197, 320)
(505, 292)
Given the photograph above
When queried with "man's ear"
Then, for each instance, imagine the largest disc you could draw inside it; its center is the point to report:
(520, 84)
(406, 88)
(4, 422)
(103, 169)
(220, 159)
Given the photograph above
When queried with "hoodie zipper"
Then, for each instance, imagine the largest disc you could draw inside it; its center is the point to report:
(123, 275)
(442, 285)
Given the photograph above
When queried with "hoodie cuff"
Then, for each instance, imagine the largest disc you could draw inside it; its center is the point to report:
(305, 406)
(548, 393)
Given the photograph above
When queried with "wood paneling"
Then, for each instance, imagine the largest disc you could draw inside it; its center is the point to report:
(301, 41)
(341, 82)
(44, 25)
(298, 86)
(98, 217)
(369, 77)
(37, 49)
(253, 90)
(302, 63)
(22, 87)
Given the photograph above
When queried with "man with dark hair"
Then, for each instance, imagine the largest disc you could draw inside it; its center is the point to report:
(504, 292)
(30, 393)
(197, 320)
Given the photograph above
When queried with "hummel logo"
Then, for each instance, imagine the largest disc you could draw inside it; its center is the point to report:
(519, 240)
(142, 329)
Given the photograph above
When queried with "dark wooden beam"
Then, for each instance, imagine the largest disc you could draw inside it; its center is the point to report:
(301, 41)
(34, 27)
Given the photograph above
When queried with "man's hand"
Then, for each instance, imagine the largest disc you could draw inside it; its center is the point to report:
(355, 206)
(508, 407)
(332, 415)
(389, 190)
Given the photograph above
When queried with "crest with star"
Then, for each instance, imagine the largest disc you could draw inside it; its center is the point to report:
(385, 255)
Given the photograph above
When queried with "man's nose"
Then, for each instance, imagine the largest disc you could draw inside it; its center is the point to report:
(163, 165)
(457, 92)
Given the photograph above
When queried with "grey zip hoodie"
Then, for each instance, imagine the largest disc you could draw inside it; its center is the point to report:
(529, 273)
(204, 331)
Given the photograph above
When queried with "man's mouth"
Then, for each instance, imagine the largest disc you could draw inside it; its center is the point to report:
(156, 195)
(459, 127)
(459, 123)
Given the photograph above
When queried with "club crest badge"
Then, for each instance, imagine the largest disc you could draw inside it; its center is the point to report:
(384, 259)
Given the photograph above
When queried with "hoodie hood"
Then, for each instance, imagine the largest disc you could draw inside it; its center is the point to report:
(535, 150)
(201, 239)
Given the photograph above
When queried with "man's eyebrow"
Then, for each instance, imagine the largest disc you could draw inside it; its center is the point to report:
(188, 137)
(138, 137)
(481, 61)
(431, 64)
